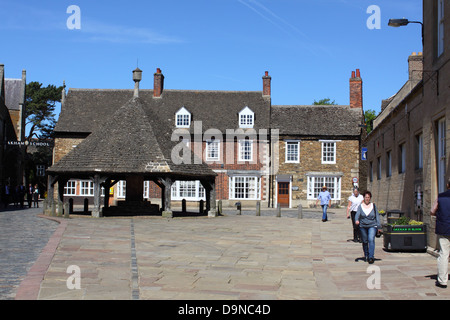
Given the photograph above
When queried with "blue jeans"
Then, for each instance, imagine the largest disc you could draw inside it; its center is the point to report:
(324, 209)
(368, 241)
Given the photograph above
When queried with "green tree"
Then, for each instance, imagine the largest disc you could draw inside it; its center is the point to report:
(40, 107)
(369, 116)
(326, 101)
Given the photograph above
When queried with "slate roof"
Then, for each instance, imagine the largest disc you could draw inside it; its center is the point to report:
(126, 134)
(13, 93)
(85, 109)
(131, 140)
(317, 120)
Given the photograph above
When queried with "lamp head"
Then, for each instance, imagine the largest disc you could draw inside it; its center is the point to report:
(398, 22)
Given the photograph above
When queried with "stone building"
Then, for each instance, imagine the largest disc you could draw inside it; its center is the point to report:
(407, 150)
(226, 131)
(230, 132)
(318, 145)
(395, 147)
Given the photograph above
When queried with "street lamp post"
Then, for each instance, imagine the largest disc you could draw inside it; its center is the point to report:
(403, 22)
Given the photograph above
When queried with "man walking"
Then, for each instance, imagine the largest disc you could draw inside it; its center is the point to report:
(441, 209)
(325, 201)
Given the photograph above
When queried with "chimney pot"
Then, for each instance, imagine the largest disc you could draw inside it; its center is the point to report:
(358, 74)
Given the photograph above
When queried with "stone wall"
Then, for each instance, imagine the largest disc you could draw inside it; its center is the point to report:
(63, 146)
(395, 190)
(346, 166)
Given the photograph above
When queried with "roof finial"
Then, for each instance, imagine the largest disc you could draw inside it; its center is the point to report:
(137, 76)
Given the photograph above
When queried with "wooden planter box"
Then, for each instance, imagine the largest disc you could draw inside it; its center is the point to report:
(405, 237)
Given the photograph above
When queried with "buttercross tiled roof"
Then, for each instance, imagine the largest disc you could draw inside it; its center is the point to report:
(131, 140)
(317, 120)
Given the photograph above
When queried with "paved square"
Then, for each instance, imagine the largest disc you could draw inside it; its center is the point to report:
(230, 257)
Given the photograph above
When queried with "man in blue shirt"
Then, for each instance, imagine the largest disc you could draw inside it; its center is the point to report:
(441, 209)
(325, 202)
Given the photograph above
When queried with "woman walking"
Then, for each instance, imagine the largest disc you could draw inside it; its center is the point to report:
(368, 219)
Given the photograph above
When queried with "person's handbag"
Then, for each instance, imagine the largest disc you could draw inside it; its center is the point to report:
(378, 234)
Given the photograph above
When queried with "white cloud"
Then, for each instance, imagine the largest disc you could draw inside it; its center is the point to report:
(32, 17)
(97, 31)
(271, 17)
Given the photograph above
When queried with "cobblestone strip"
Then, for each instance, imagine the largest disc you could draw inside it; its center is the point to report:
(30, 286)
(134, 267)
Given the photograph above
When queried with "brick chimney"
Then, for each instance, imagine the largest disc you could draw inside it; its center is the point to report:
(158, 83)
(356, 100)
(415, 66)
(266, 84)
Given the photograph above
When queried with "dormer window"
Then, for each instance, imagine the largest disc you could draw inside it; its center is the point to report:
(246, 118)
(183, 118)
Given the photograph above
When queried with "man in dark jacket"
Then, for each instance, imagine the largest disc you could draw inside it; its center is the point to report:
(441, 209)
(30, 191)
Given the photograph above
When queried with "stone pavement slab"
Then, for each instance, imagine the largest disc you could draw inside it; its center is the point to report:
(232, 257)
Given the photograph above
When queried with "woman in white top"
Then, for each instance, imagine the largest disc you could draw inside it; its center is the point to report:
(353, 203)
(368, 219)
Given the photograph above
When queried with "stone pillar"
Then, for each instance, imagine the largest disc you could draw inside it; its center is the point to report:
(66, 210)
(53, 208)
(300, 211)
(166, 196)
(60, 209)
(51, 187)
(210, 190)
(258, 208)
(219, 208)
(96, 212)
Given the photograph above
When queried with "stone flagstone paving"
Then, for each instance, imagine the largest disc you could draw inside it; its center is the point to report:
(231, 257)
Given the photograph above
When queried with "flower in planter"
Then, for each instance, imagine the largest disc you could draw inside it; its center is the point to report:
(406, 221)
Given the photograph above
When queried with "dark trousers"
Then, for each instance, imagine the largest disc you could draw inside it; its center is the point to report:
(29, 199)
(356, 231)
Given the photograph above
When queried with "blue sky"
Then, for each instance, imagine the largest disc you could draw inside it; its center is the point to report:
(309, 47)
